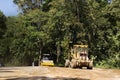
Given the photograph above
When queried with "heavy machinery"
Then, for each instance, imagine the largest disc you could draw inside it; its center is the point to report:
(46, 60)
(79, 57)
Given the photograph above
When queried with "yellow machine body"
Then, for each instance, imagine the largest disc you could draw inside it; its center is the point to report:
(46, 60)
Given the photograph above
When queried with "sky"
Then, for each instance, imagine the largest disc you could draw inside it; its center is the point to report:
(8, 8)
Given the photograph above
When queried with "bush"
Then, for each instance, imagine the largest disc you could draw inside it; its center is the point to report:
(111, 62)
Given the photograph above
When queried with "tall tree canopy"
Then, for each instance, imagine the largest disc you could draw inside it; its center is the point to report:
(2, 32)
(2, 24)
(53, 26)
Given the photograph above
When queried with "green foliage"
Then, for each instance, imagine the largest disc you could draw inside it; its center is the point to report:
(111, 62)
(53, 26)
(2, 24)
(28, 5)
(3, 48)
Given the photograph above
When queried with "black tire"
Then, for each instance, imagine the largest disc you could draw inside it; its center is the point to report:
(80, 67)
(89, 67)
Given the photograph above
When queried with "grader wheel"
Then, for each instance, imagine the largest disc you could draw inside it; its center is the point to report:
(80, 67)
(90, 66)
(73, 63)
(67, 63)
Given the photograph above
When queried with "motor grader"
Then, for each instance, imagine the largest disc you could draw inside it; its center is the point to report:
(79, 57)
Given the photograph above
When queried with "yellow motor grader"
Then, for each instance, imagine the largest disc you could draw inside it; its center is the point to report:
(79, 57)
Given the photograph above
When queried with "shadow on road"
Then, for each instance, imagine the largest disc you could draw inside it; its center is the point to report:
(46, 78)
(5, 70)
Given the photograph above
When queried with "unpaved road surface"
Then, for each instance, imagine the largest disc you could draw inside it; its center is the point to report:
(57, 73)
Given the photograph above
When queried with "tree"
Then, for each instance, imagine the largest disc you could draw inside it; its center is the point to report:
(29, 5)
(53, 26)
(2, 24)
(2, 32)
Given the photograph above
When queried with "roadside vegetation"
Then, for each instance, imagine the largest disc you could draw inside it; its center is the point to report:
(53, 26)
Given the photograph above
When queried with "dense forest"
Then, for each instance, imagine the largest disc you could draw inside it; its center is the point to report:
(53, 26)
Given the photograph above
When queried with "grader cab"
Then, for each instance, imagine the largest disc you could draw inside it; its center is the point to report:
(79, 57)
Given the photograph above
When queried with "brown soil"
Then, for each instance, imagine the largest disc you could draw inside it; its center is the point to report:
(57, 73)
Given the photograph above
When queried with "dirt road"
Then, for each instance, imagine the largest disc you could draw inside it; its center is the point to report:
(56, 73)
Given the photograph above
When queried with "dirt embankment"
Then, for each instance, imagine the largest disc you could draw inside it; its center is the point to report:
(56, 73)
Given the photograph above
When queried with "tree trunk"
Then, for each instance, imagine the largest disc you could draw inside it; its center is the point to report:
(40, 53)
(58, 53)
